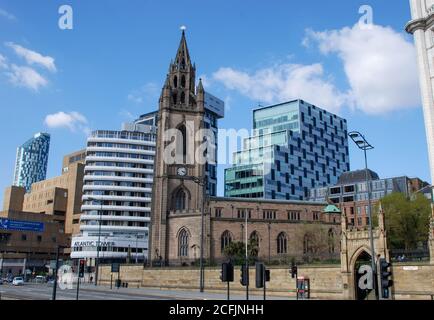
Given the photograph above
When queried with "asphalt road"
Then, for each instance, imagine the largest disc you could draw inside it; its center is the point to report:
(90, 292)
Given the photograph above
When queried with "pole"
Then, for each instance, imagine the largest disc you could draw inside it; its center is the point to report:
(229, 296)
(247, 261)
(265, 283)
(55, 274)
(202, 236)
(269, 243)
(137, 248)
(371, 236)
(111, 281)
(97, 246)
(78, 288)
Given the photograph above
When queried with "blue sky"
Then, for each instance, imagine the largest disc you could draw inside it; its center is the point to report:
(111, 66)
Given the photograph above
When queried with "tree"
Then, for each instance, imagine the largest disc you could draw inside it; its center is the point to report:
(236, 251)
(315, 240)
(407, 221)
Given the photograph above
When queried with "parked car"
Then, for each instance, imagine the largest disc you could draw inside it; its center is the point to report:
(40, 279)
(18, 281)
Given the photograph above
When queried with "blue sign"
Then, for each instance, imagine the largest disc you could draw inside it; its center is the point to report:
(17, 225)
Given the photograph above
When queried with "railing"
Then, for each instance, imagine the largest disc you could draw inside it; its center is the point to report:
(409, 255)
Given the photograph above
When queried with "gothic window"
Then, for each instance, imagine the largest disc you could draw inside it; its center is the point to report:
(254, 238)
(175, 81)
(175, 98)
(307, 244)
(331, 240)
(226, 240)
(282, 243)
(183, 243)
(181, 200)
(183, 81)
(183, 97)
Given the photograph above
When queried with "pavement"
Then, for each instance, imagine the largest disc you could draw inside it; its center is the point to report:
(30, 291)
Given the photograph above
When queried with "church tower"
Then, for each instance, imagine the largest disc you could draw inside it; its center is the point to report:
(177, 191)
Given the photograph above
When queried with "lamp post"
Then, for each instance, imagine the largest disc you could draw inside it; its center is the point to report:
(364, 145)
(99, 238)
(202, 182)
(53, 297)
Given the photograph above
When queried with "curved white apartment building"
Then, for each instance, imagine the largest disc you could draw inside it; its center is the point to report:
(117, 194)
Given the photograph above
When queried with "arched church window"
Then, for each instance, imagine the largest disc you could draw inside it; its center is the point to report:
(331, 241)
(183, 243)
(282, 243)
(175, 98)
(307, 244)
(175, 81)
(225, 240)
(181, 200)
(183, 81)
(183, 97)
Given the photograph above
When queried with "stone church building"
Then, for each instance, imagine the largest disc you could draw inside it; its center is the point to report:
(282, 229)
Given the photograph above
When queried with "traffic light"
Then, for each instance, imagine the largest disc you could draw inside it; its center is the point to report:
(227, 274)
(82, 264)
(260, 268)
(267, 276)
(385, 274)
(244, 276)
(294, 270)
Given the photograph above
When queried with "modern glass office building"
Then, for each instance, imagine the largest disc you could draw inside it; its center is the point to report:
(295, 147)
(117, 193)
(32, 161)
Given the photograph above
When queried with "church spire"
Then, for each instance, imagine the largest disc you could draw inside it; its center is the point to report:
(183, 56)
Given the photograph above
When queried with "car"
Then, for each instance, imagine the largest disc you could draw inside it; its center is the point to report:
(18, 281)
(1, 281)
(40, 279)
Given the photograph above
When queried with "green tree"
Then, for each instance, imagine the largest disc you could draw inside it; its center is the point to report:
(407, 220)
(236, 251)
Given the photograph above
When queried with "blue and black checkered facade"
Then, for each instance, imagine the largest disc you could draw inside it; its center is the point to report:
(296, 146)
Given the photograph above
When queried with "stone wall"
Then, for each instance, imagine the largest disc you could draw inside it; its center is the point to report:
(411, 281)
(326, 282)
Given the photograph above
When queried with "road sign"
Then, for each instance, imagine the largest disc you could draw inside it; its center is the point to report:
(18, 225)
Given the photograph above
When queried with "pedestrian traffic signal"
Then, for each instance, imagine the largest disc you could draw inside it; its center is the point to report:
(260, 270)
(82, 264)
(385, 275)
(227, 274)
(294, 270)
(244, 275)
(267, 276)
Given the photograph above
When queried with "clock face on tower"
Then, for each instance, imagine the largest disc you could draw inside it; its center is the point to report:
(182, 171)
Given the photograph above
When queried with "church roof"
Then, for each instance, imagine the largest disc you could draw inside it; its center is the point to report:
(357, 176)
(331, 209)
(182, 53)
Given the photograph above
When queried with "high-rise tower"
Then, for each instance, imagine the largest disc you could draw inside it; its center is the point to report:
(422, 27)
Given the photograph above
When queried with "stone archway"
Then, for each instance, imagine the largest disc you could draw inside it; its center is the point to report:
(362, 276)
(356, 253)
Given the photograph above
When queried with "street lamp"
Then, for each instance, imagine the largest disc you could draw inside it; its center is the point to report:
(364, 145)
(99, 238)
(203, 183)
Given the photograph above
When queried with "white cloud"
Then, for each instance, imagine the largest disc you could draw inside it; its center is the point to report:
(7, 15)
(284, 82)
(33, 57)
(73, 121)
(3, 63)
(380, 65)
(26, 77)
(146, 93)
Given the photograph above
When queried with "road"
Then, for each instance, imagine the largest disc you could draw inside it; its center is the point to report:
(90, 292)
